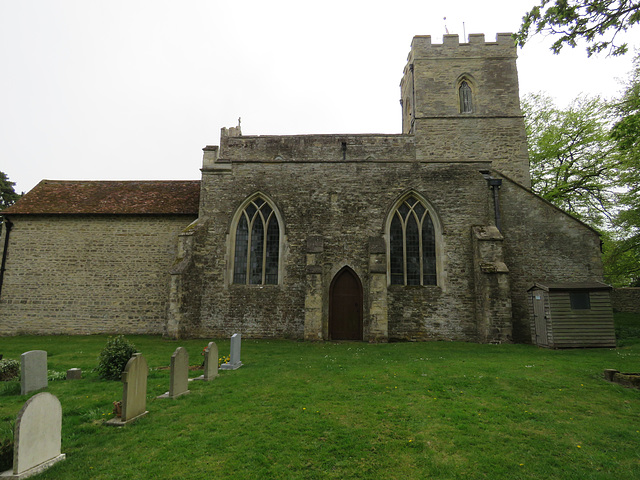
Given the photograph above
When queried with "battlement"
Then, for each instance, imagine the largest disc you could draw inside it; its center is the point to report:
(421, 46)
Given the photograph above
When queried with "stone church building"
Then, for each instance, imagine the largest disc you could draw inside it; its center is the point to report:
(431, 234)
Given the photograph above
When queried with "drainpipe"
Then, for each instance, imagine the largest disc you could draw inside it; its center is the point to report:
(8, 225)
(494, 184)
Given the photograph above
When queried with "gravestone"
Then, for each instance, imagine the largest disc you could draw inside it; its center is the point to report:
(37, 437)
(33, 371)
(234, 356)
(210, 363)
(74, 374)
(134, 391)
(179, 377)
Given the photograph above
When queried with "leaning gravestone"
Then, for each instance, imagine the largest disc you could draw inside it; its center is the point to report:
(134, 391)
(37, 437)
(179, 377)
(33, 371)
(234, 356)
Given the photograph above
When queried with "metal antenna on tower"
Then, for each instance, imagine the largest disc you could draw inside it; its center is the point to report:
(445, 26)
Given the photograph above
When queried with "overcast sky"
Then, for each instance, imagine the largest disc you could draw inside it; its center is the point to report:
(134, 89)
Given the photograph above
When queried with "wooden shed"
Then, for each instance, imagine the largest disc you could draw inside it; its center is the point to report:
(565, 315)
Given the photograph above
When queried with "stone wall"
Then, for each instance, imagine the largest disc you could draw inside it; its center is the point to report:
(626, 299)
(88, 274)
(543, 244)
(345, 204)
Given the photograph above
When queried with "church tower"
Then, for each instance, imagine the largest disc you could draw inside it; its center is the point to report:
(461, 102)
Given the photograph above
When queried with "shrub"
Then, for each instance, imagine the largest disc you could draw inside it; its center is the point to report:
(114, 357)
(6, 454)
(6, 445)
(9, 370)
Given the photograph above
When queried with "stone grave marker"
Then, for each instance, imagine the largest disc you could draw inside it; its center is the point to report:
(210, 363)
(134, 391)
(234, 360)
(37, 437)
(179, 377)
(33, 371)
(74, 374)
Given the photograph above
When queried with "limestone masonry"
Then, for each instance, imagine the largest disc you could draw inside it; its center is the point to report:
(431, 234)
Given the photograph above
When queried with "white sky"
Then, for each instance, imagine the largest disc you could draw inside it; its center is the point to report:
(133, 89)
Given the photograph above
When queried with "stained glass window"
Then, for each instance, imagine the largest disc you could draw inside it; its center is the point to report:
(257, 245)
(412, 245)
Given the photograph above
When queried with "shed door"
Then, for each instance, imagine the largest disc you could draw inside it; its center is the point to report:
(539, 319)
(345, 306)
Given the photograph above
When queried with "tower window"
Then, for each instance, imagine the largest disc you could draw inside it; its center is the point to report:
(412, 245)
(466, 103)
(257, 245)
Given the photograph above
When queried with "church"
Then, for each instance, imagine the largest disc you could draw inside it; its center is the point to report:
(430, 234)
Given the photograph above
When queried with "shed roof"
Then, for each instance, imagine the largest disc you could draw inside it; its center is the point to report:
(67, 197)
(570, 286)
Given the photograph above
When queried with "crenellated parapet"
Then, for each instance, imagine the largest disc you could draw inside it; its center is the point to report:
(462, 102)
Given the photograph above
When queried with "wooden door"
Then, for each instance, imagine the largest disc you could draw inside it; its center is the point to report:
(540, 319)
(345, 306)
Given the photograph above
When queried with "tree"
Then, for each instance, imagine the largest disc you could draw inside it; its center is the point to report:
(8, 196)
(625, 247)
(598, 22)
(574, 163)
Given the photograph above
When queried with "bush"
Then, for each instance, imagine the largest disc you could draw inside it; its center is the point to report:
(9, 370)
(114, 357)
(6, 454)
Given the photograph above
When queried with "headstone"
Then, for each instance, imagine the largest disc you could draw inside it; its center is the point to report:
(37, 437)
(210, 362)
(179, 377)
(33, 371)
(74, 374)
(234, 360)
(134, 391)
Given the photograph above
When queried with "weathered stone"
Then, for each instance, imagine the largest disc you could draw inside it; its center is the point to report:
(210, 362)
(134, 391)
(33, 371)
(74, 374)
(609, 373)
(37, 438)
(179, 374)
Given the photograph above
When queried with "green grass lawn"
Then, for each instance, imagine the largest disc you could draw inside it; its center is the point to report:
(351, 410)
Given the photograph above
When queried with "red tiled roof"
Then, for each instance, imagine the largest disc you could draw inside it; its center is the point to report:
(109, 197)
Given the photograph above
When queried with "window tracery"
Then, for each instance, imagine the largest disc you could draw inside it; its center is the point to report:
(257, 245)
(412, 245)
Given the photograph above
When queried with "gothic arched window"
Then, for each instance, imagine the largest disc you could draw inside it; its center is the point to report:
(466, 103)
(257, 245)
(412, 245)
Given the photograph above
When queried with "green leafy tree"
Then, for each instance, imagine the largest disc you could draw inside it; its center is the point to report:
(8, 196)
(598, 22)
(624, 252)
(574, 162)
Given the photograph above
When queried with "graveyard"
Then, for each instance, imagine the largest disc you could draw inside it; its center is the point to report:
(343, 410)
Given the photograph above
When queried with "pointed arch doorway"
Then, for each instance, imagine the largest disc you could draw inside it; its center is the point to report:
(345, 306)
